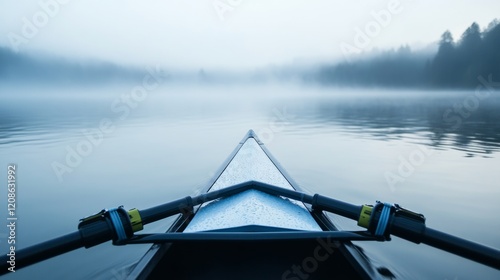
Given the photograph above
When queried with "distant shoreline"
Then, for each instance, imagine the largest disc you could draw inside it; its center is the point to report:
(461, 65)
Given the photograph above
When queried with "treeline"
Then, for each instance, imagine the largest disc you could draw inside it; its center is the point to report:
(455, 65)
(18, 68)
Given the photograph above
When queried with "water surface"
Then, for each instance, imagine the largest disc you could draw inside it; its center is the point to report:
(433, 152)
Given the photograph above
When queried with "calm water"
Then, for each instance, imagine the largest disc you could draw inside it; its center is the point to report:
(418, 149)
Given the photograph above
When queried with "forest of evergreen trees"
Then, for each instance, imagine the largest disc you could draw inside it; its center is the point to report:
(457, 64)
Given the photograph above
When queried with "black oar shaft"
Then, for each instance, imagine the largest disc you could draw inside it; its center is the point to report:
(462, 247)
(338, 207)
(42, 251)
(415, 231)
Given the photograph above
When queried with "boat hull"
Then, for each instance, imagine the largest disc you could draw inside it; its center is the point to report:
(298, 259)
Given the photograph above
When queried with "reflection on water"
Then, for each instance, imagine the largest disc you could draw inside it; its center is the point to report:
(434, 120)
(46, 120)
(172, 142)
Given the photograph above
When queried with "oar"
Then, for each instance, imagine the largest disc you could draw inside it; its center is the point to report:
(410, 226)
(383, 220)
(118, 225)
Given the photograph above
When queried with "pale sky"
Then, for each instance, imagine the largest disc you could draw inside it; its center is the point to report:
(254, 33)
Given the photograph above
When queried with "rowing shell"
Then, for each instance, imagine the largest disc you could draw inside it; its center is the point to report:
(254, 211)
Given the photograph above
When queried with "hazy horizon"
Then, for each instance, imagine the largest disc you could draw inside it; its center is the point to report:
(234, 34)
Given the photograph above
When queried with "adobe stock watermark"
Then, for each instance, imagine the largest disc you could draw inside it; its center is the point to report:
(363, 36)
(407, 166)
(277, 124)
(325, 248)
(222, 7)
(453, 118)
(122, 107)
(31, 26)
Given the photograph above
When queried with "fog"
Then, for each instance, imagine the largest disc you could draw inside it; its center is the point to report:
(467, 62)
(220, 34)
